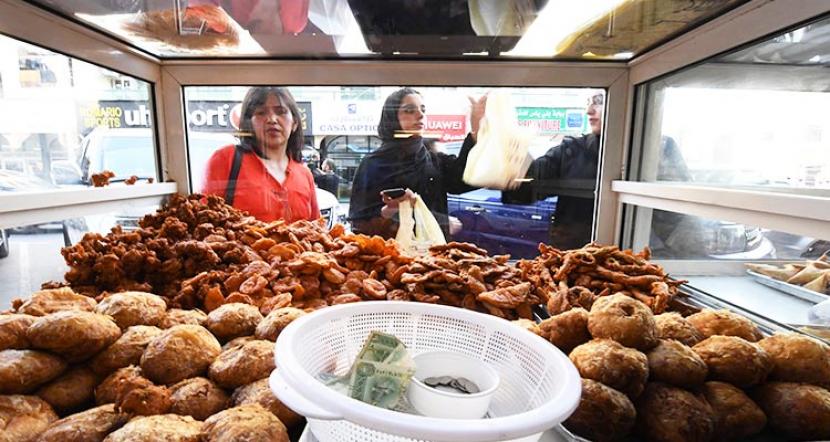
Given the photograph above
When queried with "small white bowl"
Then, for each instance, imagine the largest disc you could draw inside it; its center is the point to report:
(438, 403)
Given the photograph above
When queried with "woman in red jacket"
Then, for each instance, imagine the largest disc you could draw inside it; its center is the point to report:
(264, 173)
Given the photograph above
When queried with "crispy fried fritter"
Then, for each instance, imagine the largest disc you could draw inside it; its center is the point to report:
(22, 371)
(736, 415)
(161, 428)
(623, 319)
(75, 335)
(13, 331)
(107, 391)
(674, 326)
(734, 360)
(243, 364)
(676, 364)
(197, 397)
(798, 358)
(179, 353)
(796, 411)
(259, 392)
(177, 316)
(567, 330)
(49, 301)
(250, 422)
(603, 414)
(133, 308)
(70, 391)
(127, 350)
(724, 323)
(23, 418)
(669, 414)
(233, 320)
(91, 425)
(529, 325)
(140, 397)
(603, 360)
(273, 324)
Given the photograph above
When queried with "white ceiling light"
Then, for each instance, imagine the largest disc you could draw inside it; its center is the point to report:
(816, 59)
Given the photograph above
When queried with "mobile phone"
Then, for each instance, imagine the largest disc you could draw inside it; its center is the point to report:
(393, 193)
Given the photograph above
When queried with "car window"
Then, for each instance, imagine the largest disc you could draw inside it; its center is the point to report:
(127, 156)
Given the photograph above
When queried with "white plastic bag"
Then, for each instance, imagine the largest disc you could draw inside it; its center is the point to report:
(499, 160)
(417, 229)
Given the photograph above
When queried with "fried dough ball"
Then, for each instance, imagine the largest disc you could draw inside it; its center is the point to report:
(177, 316)
(734, 360)
(669, 414)
(50, 301)
(107, 391)
(273, 324)
(676, 364)
(238, 341)
(197, 397)
(74, 335)
(21, 371)
(142, 398)
(674, 326)
(161, 428)
(13, 331)
(736, 415)
(259, 392)
(133, 308)
(127, 350)
(243, 364)
(566, 330)
(603, 360)
(798, 358)
(71, 391)
(623, 319)
(248, 422)
(725, 323)
(180, 352)
(797, 411)
(87, 426)
(603, 414)
(526, 324)
(23, 418)
(233, 320)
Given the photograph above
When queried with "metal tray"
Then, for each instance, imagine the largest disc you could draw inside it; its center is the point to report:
(797, 291)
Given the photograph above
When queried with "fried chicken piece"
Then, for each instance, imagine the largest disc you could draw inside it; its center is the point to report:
(75, 335)
(246, 422)
(180, 352)
(13, 331)
(798, 358)
(71, 391)
(724, 323)
(674, 326)
(197, 397)
(233, 320)
(259, 392)
(736, 415)
(273, 324)
(676, 364)
(49, 301)
(22, 371)
(243, 364)
(603, 360)
(91, 425)
(177, 316)
(507, 297)
(566, 330)
(603, 414)
(23, 418)
(623, 319)
(127, 350)
(165, 427)
(529, 325)
(133, 308)
(796, 411)
(734, 360)
(669, 414)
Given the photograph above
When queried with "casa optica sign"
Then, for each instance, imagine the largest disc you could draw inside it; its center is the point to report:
(552, 120)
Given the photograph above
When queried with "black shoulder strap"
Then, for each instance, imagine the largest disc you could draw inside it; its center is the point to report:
(230, 190)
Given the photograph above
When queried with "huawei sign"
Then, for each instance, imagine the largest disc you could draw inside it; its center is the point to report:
(447, 127)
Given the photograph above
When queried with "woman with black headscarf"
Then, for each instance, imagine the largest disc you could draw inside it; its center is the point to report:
(404, 161)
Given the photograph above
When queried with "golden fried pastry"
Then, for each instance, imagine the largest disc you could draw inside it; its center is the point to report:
(245, 422)
(91, 425)
(259, 392)
(623, 319)
(273, 324)
(22, 371)
(142, 398)
(798, 358)
(71, 391)
(736, 415)
(243, 364)
(161, 428)
(669, 414)
(528, 325)
(23, 418)
(796, 411)
(734, 360)
(674, 326)
(180, 352)
(127, 350)
(676, 364)
(197, 397)
(133, 308)
(603, 414)
(107, 391)
(177, 316)
(233, 320)
(603, 360)
(236, 342)
(49, 301)
(724, 323)
(75, 335)
(13, 331)
(567, 330)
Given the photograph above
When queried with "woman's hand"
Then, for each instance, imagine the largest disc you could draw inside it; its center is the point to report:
(477, 108)
(390, 207)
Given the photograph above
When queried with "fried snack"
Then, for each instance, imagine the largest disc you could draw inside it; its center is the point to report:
(197, 397)
(176, 316)
(233, 320)
(736, 415)
(734, 360)
(673, 326)
(273, 324)
(75, 335)
(13, 331)
(102, 178)
(127, 350)
(23, 418)
(243, 364)
(142, 398)
(259, 392)
(165, 427)
(603, 414)
(623, 319)
(107, 391)
(245, 422)
(676, 364)
(238, 342)
(133, 308)
(603, 360)
(796, 411)
(798, 358)
(91, 425)
(49, 301)
(724, 323)
(22, 371)
(180, 352)
(669, 414)
(529, 325)
(566, 330)
(71, 391)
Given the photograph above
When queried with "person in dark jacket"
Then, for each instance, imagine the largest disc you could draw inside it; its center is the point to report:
(326, 178)
(404, 161)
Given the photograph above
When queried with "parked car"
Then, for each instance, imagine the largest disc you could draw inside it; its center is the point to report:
(66, 172)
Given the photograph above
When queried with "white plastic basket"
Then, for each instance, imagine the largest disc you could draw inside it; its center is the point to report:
(539, 386)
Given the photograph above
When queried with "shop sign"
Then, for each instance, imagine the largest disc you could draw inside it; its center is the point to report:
(551, 120)
(347, 118)
(447, 127)
(114, 114)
